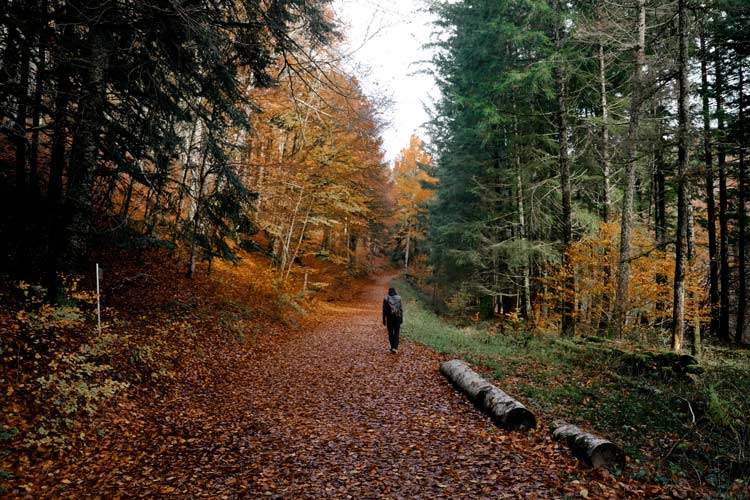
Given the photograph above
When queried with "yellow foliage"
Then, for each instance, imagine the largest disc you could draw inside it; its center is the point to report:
(594, 263)
(316, 164)
(412, 191)
(410, 178)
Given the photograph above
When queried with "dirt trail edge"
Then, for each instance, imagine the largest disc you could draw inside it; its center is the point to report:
(327, 412)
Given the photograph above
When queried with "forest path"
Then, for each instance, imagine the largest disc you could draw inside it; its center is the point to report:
(324, 413)
(343, 416)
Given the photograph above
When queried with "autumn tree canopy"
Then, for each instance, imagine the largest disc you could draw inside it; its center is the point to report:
(192, 128)
(413, 188)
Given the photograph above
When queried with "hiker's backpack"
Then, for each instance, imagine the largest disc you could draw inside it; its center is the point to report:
(394, 306)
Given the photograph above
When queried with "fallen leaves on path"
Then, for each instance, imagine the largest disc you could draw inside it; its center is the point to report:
(326, 411)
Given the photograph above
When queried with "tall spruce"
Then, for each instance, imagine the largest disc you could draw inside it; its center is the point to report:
(631, 155)
(713, 266)
(683, 142)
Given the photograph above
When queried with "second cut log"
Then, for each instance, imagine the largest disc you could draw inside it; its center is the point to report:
(593, 450)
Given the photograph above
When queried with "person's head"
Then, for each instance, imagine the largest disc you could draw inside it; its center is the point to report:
(392, 291)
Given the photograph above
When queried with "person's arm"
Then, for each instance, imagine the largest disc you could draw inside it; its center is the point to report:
(385, 310)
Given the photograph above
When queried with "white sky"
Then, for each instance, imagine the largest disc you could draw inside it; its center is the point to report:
(386, 38)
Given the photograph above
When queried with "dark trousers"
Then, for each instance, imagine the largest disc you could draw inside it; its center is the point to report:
(394, 328)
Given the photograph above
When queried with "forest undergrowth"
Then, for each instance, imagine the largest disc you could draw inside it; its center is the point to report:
(674, 426)
(68, 387)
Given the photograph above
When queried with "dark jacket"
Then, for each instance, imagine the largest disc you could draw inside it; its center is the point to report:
(388, 318)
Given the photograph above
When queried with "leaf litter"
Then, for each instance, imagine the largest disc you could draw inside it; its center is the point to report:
(320, 411)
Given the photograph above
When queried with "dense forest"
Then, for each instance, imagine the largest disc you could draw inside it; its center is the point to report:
(592, 166)
(571, 220)
(186, 126)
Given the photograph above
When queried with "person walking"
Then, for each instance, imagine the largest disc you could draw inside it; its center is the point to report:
(393, 316)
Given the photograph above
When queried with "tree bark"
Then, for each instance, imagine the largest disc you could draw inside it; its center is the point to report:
(125, 210)
(9, 68)
(505, 411)
(623, 277)
(63, 87)
(660, 199)
(286, 246)
(522, 232)
(198, 202)
(20, 119)
(41, 69)
(591, 449)
(186, 167)
(696, 349)
(689, 226)
(84, 151)
(568, 295)
(741, 214)
(23, 208)
(604, 155)
(301, 238)
(526, 285)
(678, 308)
(723, 220)
(408, 244)
(713, 266)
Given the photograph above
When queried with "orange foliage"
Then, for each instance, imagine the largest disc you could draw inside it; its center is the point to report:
(594, 259)
(316, 164)
(411, 177)
(411, 191)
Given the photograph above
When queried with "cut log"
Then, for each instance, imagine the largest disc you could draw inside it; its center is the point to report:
(593, 450)
(505, 411)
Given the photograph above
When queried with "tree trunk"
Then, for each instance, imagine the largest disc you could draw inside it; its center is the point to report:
(723, 222)
(678, 308)
(505, 411)
(623, 277)
(525, 306)
(9, 68)
(23, 207)
(41, 68)
(568, 293)
(198, 201)
(326, 243)
(63, 87)
(604, 155)
(689, 226)
(286, 246)
(696, 349)
(125, 210)
(591, 449)
(20, 121)
(436, 284)
(741, 214)
(660, 199)
(713, 266)
(84, 151)
(408, 244)
(522, 232)
(299, 243)
(151, 219)
(186, 166)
